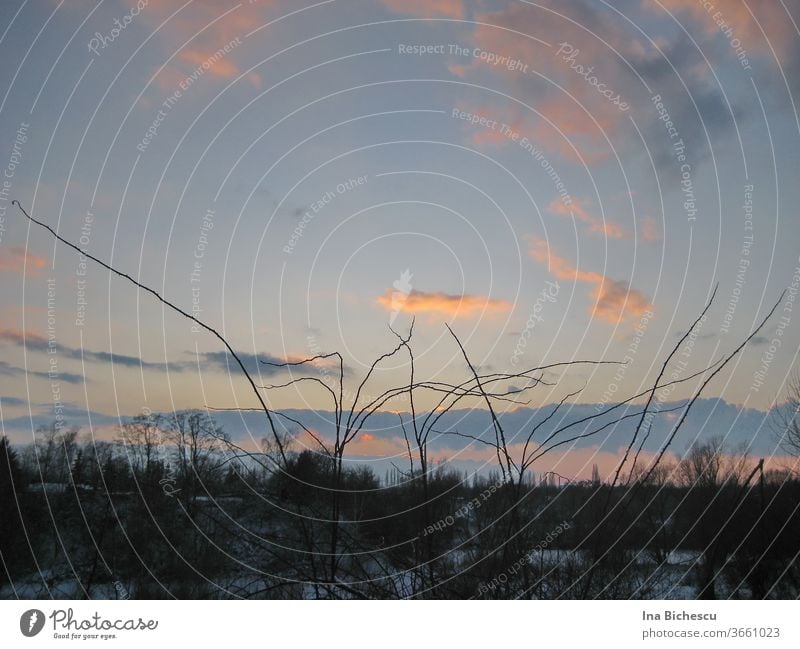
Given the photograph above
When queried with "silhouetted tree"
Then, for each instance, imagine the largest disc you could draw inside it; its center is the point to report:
(12, 535)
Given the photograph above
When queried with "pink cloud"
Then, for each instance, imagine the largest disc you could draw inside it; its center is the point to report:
(595, 225)
(210, 26)
(614, 301)
(18, 336)
(427, 8)
(651, 230)
(17, 259)
(450, 306)
(577, 116)
(458, 69)
(559, 266)
(221, 67)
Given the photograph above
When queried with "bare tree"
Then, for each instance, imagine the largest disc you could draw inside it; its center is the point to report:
(196, 439)
(340, 563)
(786, 421)
(712, 478)
(141, 438)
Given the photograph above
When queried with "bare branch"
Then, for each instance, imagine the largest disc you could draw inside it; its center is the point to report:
(655, 387)
(172, 306)
(730, 357)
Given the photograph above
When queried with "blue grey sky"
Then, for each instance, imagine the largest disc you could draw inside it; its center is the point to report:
(556, 181)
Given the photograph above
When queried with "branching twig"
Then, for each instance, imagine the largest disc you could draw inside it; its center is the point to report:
(172, 306)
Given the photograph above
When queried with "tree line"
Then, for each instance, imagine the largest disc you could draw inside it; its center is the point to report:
(171, 509)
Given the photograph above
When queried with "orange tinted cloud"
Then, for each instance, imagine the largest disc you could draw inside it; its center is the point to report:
(651, 230)
(573, 463)
(451, 306)
(559, 266)
(208, 26)
(17, 259)
(458, 69)
(614, 300)
(221, 67)
(483, 135)
(596, 226)
(575, 120)
(363, 445)
(19, 337)
(570, 131)
(211, 23)
(427, 8)
(557, 124)
(579, 116)
(369, 445)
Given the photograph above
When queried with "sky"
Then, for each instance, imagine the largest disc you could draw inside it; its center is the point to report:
(555, 181)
